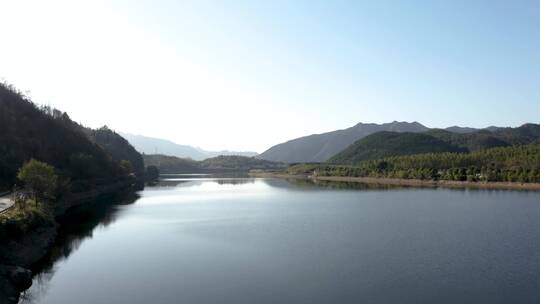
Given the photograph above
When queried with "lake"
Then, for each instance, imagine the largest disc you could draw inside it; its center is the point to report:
(229, 239)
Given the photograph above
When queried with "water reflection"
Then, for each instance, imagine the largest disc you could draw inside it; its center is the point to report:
(75, 228)
(301, 184)
(207, 239)
(194, 179)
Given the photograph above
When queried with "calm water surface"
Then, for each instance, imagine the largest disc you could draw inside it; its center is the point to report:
(200, 239)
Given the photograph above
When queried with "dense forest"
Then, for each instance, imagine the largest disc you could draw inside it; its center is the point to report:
(118, 147)
(519, 163)
(77, 153)
(384, 144)
(490, 138)
(172, 164)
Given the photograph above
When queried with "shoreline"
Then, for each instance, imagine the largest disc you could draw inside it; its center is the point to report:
(407, 182)
(22, 253)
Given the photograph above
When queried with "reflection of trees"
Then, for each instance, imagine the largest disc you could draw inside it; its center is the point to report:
(78, 225)
(169, 183)
(235, 181)
(188, 181)
(304, 184)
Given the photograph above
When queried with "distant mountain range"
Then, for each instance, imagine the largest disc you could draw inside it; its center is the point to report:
(151, 145)
(322, 147)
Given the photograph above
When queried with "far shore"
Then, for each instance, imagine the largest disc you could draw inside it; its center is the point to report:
(407, 182)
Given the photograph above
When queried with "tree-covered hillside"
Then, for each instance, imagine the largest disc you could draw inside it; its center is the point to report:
(172, 164)
(321, 147)
(240, 163)
(48, 135)
(118, 147)
(490, 138)
(520, 163)
(385, 144)
(469, 142)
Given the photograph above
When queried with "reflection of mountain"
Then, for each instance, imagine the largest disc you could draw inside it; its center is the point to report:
(78, 225)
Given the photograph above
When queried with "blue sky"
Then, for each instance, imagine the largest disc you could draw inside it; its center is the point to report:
(246, 75)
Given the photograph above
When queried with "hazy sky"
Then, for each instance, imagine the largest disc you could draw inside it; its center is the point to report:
(246, 75)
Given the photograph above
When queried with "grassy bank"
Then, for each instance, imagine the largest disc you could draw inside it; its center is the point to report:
(24, 217)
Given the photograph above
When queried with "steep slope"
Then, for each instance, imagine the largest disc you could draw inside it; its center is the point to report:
(47, 135)
(118, 147)
(385, 144)
(320, 147)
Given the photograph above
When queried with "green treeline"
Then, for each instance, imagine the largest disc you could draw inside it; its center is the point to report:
(172, 164)
(519, 163)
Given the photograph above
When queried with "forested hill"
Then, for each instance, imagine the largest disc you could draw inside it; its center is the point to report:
(519, 163)
(320, 147)
(48, 135)
(172, 164)
(118, 147)
(490, 138)
(385, 144)
(240, 163)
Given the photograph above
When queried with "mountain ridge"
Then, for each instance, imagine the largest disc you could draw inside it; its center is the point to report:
(154, 145)
(391, 144)
(321, 147)
(386, 143)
